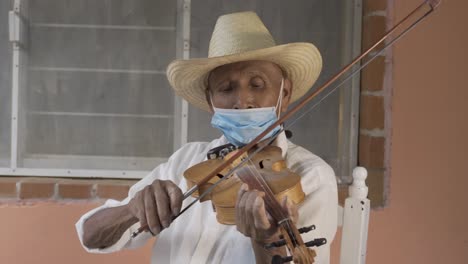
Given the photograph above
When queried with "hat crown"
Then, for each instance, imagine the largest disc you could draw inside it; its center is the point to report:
(237, 33)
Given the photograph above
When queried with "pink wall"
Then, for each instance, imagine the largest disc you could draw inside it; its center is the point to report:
(426, 216)
(426, 219)
(45, 233)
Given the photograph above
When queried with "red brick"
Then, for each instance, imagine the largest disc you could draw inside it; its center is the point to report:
(114, 190)
(371, 152)
(8, 187)
(73, 189)
(369, 6)
(372, 114)
(372, 76)
(373, 28)
(37, 188)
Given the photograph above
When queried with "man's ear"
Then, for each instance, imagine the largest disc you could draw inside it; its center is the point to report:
(287, 91)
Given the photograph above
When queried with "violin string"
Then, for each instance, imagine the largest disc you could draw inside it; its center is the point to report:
(291, 234)
(282, 218)
(279, 213)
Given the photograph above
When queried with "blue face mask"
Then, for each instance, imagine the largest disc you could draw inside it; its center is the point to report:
(242, 126)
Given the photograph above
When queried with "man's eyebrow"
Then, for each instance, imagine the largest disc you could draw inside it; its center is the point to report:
(250, 72)
(257, 72)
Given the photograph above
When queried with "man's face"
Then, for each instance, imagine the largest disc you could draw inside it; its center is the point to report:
(248, 84)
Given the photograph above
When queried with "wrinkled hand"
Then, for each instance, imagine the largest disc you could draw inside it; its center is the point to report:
(253, 220)
(156, 205)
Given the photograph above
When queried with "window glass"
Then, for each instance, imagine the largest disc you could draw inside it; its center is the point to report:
(96, 87)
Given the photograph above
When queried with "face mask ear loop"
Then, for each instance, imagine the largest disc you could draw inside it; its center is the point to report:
(211, 101)
(279, 103)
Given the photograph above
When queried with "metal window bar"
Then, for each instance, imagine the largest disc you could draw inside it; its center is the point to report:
(18, 38)
(183, 52)
(348, 131)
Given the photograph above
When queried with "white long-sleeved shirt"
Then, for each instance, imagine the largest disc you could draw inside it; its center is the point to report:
(197, 237)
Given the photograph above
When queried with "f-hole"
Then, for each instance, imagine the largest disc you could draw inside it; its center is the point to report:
(220, 175)
(261, 164)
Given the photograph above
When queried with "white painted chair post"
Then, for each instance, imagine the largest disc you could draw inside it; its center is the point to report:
(354, 218)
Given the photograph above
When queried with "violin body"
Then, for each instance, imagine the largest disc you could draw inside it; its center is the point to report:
(269, 162)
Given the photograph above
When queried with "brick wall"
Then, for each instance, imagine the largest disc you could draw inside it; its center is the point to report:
(374, 136)
(15, 189)
(374, 145)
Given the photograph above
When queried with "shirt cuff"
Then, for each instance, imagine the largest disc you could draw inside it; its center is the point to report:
(126, 241)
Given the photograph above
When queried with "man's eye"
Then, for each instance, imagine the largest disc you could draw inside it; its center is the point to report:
(225, 88)
(257, 82)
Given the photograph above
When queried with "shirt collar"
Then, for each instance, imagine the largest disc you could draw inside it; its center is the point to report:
(282, 142)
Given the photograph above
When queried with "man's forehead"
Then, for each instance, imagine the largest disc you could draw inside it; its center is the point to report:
(265, 67)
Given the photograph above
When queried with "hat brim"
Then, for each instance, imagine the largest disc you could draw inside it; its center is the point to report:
(301, 62)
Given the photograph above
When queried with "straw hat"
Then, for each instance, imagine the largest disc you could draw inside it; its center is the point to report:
(243, 37)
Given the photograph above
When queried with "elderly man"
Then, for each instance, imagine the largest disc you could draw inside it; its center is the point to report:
(246, 82)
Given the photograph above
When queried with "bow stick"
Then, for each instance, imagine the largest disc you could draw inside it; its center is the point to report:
(428, 6)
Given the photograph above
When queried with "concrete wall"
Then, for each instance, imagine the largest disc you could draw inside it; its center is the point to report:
(45, 233)
(425, 221)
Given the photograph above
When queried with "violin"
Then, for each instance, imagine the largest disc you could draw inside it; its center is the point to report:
(218, 184)
(269, 162)
(267, 172)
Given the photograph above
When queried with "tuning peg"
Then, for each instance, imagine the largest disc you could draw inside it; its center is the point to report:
(302, 230)
(316, 242)
(277, 259)
(278, 243)
(306, 229)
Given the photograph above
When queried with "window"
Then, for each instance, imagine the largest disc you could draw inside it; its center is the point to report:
(92, 96)
(92, 89)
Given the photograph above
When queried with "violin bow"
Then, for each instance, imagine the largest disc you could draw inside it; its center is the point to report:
(427, 7)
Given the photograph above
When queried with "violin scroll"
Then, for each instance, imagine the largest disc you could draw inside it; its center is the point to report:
(301, 254)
